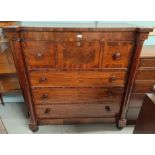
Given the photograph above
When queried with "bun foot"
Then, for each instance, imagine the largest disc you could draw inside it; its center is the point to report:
(121, 124)
(33, 127)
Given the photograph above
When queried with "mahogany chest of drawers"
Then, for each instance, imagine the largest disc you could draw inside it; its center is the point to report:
(77, 74)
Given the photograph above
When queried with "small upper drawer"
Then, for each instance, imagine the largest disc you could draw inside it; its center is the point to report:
(117, 54)
(77, 110)
(78, 55)
(146, 74)
(77, 95)
(77, 78)
(39, 54)
(147, 62)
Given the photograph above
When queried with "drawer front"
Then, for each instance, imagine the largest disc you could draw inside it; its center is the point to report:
(144, 87)
(78, 54)
(77, 95)
(77, 78)
(39, 54)
(76, 36)
(147, 62)
(146, 74)
(77, 110)
(117, 54)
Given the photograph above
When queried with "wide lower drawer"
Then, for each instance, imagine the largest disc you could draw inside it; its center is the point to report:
(146, 74)
(76, 110)
(77, 95)
(144, 87)
(77, 78)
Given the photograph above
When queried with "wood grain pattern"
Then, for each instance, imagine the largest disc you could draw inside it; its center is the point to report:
(82, 63)
(117, 54)
(76, 110)
(77, 95)
(39, 54)
(23, 80)
(139, 40)
(77, 78)
(72, 36)
(78, 54)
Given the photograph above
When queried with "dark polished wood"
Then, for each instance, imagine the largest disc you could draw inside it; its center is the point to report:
(77, 95)
(77, 74)
(77, 110)
(23, 80)
(77, 78)
(139, 40)
(145, 123)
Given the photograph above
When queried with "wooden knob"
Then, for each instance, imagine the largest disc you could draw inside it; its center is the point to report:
(107, 108)
(39, 55)
(117, 56)
(44, 96)
(43, 79)
(153, 88)
(112, 79)
(47, 110)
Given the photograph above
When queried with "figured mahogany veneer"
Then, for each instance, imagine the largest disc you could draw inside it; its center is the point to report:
(77, 74)
(77, 54)
(77, 110)
(77, 95)
(77, 78)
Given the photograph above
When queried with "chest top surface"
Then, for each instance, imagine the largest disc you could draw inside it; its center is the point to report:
(78, 26)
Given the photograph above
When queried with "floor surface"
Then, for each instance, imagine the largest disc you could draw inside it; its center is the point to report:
(15, 120)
